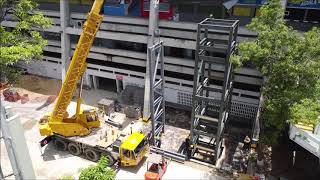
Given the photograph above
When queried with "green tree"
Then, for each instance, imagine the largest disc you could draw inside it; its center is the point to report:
(306, 112)
(101, 171)
(21, 40)
(66, 178)
(290, 63)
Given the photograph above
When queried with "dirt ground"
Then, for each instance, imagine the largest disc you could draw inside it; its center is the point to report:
(54, 164)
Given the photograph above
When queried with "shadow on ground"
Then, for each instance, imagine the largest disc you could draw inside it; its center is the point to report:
(50, 153)
(135, 169)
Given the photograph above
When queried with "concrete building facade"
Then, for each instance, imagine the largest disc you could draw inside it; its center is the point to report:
(119, 55)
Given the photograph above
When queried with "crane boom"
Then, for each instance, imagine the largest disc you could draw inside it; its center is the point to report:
(78, 62)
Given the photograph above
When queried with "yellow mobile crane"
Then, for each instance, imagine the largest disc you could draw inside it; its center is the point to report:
(61, 128)
(81, 123)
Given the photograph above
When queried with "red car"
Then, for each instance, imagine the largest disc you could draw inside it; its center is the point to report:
(165, 9)
(156, 167)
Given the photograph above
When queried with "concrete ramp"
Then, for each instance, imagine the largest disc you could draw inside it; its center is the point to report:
(307, 139)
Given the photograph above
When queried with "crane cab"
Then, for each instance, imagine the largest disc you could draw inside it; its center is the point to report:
(133, 149)
(90, 118)
(77, 125)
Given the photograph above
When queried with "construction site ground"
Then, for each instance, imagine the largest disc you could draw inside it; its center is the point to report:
(54, 164)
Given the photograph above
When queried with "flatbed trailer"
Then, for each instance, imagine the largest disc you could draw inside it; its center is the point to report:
(103, 141)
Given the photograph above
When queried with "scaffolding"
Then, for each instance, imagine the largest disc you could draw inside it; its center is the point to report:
(157, 103)
(210, 110)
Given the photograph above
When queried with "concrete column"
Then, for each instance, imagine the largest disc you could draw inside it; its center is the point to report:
(1, 173)
(305, 15)
(95, 82)
(152, 33)
(86, 80)
(283, 3)
(65, 38)
(13, 135)
(118, 86)
(223, 12)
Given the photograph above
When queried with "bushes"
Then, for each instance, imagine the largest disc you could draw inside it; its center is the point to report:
(101, 171)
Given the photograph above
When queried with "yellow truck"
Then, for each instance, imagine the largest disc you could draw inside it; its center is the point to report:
(129, 150)
(80, 133)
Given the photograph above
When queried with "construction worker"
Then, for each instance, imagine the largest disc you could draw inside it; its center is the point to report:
(247, 141)
(188, 147)
(157, 141)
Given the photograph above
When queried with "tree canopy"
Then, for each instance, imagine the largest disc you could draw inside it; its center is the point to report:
(21, 40)
(289, 61)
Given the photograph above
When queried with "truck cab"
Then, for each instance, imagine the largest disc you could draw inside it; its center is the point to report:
(133, 149)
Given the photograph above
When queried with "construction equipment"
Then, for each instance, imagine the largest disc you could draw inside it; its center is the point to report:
(128, 150)
(80, 124)
(157, 168)
(73, 133)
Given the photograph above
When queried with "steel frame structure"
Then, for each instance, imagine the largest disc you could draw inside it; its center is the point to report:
(157, 103)
(209, 113)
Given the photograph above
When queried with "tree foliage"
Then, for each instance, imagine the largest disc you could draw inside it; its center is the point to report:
(306, 112)
(290, 63)
(20, 40)
(66, 178)
(99, 172)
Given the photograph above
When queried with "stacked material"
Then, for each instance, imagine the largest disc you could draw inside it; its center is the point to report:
(178, 118)
(11, 95)
(132, 95)
(132, 112)
(106, 106)
(239, 161)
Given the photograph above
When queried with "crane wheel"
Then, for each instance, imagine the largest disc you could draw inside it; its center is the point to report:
(109, 157)
(74, 149)
(92, 155)
(60, 145)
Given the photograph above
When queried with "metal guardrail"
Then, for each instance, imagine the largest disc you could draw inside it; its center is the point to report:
(169, 154)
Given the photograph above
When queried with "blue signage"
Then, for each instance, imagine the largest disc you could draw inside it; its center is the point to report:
(252, 2)
(305, 4)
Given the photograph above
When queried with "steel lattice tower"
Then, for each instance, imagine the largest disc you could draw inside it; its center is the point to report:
(216, 42)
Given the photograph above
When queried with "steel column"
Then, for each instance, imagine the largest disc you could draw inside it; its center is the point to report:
(157, 103)
(152, 33)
